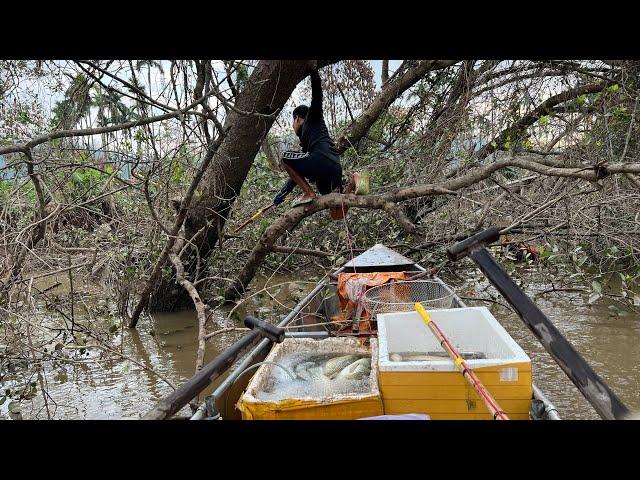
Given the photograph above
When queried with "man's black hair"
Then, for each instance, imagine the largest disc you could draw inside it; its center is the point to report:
(300, 111)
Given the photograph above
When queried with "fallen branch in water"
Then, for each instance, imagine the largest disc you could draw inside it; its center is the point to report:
(225, 330)
(202, 308)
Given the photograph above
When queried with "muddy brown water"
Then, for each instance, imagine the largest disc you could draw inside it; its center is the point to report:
(121, 389)
(610, 344)
(166, 343)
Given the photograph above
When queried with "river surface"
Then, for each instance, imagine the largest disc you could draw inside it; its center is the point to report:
(610, 344)
(166, 344)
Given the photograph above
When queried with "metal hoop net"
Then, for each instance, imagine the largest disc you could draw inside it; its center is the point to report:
(402, 296)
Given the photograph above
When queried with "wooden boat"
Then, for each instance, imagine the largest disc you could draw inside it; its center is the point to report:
(318, 307)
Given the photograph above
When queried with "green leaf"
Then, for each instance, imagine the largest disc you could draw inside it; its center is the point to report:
(77, 178)
(594, 297)
(581, 99)
(544, 120)
(613, 88)
(597, 287)
(14, 407)
(178, 172)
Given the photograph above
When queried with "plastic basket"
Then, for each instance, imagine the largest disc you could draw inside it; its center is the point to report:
(402, 296)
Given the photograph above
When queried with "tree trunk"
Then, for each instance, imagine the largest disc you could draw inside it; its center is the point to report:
(265, 93)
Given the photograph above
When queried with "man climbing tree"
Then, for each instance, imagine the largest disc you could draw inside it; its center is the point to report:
(319, 160)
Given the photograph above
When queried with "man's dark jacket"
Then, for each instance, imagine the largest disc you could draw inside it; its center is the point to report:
(314, 135)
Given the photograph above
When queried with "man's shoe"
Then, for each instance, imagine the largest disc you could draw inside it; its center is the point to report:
(304, 199)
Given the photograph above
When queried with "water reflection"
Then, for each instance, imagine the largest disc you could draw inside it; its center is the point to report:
(167, 344)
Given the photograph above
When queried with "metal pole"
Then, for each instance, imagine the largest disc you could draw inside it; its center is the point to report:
(231, 378)
(212, 370)
(597, 393)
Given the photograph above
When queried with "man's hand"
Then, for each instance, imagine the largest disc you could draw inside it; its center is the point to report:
(279, 198)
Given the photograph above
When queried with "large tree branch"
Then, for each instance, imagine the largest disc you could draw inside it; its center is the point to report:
(517, 129)
(390, 91)
(99, 130)
(268, 88)
(384, 76)
(381, 202)
(171, 239)
(265, 92)
(189, 109)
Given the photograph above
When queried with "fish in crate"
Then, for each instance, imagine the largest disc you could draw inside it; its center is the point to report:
(334, 378)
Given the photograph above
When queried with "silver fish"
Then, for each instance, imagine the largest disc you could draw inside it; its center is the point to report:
(308, 371)
(434, 356)
(465, 355)
(336, 364)
(355, 371)
(418, 357)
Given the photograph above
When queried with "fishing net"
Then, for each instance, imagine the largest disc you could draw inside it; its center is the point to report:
(402, 296)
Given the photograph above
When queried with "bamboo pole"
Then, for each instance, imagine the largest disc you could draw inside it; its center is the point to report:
(467, 373)
(254, 216)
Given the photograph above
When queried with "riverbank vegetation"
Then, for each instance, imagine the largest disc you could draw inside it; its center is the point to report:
(125, 181)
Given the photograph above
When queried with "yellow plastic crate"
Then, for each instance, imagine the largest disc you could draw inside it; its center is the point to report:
(436, 387)
(336, 407)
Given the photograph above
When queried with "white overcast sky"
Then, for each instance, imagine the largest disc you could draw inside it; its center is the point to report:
(42, 91)
(159, 82)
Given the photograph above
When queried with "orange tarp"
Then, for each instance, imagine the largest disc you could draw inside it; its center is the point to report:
(348, 307)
